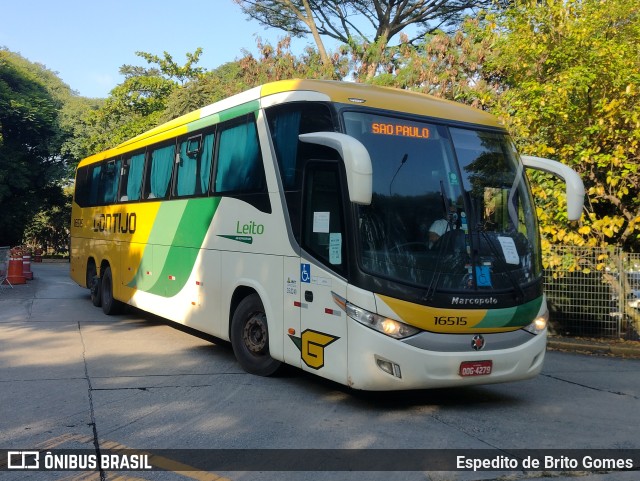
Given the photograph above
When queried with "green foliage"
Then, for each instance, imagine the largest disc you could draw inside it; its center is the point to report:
(277, 63)
(30, 141)
(365, 28)
(138, 104)
(448, 65)
(570, 71)
(49, 228)
(273, 63)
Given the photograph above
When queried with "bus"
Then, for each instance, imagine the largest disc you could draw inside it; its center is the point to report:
(379, 238)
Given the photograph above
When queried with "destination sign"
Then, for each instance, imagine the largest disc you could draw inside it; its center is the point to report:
(399, 129)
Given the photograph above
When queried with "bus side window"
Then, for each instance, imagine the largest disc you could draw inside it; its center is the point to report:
(94, 184)
(193, 169)
(159, 169)
(108, 189)
(286, 123)
(131, 182)
(81, 195)
(239, 162)
(323, 224)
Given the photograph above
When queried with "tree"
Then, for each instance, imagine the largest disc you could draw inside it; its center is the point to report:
(272, 63)
(366, 26)
(49, 228)
(571, 74)
(30, 140)
(138, 103)
(448, 65)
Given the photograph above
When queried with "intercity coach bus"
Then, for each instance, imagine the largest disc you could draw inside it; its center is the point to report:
(296, 220)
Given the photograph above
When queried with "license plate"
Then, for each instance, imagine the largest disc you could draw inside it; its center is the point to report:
(475, 368)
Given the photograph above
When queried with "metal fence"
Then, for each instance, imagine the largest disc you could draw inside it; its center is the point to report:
(593, 292)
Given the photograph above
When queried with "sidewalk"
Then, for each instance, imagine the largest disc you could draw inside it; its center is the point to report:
(605, 347)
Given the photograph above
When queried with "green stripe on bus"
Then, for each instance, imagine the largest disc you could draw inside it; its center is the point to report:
(173, 245)
(181, 255)
(223, 116)
(512, 316)
(162, 233)
(526, 313)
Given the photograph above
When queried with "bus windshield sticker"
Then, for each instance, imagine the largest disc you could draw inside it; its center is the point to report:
(321, 222)
(483, 276)
(335, 248)
(509, 250)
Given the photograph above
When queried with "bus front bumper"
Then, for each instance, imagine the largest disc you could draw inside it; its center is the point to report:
(378, 362)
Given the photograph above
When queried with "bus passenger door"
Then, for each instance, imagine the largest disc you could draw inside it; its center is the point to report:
(323, 333)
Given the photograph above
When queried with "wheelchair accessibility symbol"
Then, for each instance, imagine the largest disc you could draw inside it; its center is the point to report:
(305, 273)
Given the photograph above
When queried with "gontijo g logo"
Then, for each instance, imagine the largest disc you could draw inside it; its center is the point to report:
(311, 344)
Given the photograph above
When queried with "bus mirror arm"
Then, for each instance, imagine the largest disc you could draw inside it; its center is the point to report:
(357, 162)
(575, 187)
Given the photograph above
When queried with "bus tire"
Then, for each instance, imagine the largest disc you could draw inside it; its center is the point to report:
(95, 285)
(250, 337)
(110, 306)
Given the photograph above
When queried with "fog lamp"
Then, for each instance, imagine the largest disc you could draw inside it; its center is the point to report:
(389, 367)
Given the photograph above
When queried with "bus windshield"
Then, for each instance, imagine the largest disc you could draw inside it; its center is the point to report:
(451, 208)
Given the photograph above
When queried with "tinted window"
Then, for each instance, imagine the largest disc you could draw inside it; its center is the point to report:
(286, 123)
(239, 167)
(159, 172)
(323, 226)
(194, 165)
(108, 188)
(131, 182)
(97, 184)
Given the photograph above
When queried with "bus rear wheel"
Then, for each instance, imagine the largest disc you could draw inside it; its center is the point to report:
(250, 337)
(94, 285)
(110, 306)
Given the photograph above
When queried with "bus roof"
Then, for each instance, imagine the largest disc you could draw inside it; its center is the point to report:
(386, 98)
(328, 90)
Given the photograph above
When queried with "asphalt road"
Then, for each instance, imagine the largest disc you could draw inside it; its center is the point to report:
(72, 378)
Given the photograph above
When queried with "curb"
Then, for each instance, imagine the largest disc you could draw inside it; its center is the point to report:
(630, 349)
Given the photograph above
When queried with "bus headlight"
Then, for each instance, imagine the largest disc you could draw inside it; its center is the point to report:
(539, 324)
(390, 327)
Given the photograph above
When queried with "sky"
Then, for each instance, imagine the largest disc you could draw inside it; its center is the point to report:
(86, 42)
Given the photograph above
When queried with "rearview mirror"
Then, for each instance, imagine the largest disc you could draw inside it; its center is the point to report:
(575, 187)
(356, 160)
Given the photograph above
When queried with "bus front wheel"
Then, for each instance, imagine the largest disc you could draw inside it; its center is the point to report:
(250, 337)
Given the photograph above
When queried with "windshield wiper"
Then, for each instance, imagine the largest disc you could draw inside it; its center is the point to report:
(443, 244)
(404, 159)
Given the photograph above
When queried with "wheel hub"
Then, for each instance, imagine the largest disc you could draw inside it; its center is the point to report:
(254, 333)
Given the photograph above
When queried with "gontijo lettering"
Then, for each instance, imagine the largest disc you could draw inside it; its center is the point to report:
(115, 223)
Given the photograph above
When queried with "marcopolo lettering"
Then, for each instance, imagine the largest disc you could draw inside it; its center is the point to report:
(117, 223)
(473, 301)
